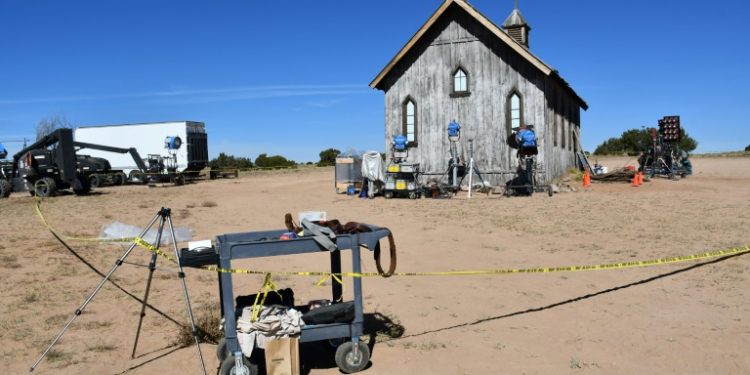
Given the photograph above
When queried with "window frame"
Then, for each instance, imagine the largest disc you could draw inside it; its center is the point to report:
(509, 110)
(571, 127)
(460, 94)
(404, 119)
(556, 113)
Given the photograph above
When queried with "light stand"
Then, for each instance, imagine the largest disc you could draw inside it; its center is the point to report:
(527, 169)
(164, 214)
(454, 134)
(474, 170)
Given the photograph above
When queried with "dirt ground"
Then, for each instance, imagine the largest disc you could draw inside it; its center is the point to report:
(680, 318)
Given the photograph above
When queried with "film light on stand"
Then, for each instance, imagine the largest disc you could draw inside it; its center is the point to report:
(669, 127)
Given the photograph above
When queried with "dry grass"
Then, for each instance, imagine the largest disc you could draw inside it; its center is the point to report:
(62, 357)
(207, 318)
(183, 214)
(101, 347)
(209, 204)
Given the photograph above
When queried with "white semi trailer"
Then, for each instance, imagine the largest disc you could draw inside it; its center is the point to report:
(176, 146)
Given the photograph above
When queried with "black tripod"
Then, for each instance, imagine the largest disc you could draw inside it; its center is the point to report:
(164, 214)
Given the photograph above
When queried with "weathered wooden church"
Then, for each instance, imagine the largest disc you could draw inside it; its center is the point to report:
(461, 67)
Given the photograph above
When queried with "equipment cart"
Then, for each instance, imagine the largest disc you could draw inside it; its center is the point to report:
(402, 179)
(351, 356)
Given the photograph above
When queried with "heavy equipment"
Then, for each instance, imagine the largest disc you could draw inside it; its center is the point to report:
(665, 157)
(51, 164)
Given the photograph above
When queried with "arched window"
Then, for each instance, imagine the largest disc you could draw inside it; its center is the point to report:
(459, 80)
(410, 120)
(460, 83)
(514, 109)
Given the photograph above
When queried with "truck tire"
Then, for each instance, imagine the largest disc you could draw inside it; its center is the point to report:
(96, 180)
(139, 177)
(5, 189)
(85, 186)
(45, 187)
(120, 178)
(178, 179)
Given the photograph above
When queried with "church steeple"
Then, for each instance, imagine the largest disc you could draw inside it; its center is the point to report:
(517, 27)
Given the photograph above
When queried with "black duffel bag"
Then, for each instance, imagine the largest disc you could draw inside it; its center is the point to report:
(336, 313)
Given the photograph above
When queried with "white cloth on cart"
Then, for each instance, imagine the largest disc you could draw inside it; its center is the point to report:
(274, 322)
(372, 166)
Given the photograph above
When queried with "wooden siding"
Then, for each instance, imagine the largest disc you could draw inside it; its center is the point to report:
(495, 71)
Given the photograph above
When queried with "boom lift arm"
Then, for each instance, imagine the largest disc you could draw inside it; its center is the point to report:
(133, 152)
(65, 157)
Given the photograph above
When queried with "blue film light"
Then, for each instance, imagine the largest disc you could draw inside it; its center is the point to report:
(399, 143)
(454, 129)
(173, 143)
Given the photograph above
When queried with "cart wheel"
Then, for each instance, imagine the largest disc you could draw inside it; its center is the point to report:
(347, 361)
(228, 367)
(412, 195)
(549, 190)
(221, 350)
(388, 194)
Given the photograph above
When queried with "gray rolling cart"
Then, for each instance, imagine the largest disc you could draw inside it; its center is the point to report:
(351, 356)
(402, 179)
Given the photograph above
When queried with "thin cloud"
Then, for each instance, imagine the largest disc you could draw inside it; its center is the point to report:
(209, 95)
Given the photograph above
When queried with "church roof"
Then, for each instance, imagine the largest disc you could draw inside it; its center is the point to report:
(515, 20)
(494, 29)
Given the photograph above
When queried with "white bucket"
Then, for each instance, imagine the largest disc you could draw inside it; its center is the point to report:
(604, 170)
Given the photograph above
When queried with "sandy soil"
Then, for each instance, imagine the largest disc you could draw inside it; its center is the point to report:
(684, 318)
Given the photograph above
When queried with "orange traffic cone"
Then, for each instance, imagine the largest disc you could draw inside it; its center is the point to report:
(640, 178)
(635, 180)
(586, 179)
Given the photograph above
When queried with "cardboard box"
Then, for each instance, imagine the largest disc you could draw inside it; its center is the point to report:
(282, 356)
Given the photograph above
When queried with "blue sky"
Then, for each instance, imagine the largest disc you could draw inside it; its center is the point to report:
(291, 77)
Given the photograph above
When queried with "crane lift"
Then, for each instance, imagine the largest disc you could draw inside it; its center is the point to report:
(51, 164)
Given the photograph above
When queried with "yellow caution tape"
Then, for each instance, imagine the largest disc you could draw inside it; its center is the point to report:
(142, 243)
(46, 224)
(338, 275)
(683, 258)
(267, 285)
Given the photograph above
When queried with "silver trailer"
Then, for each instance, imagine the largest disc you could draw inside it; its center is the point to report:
(177, 146)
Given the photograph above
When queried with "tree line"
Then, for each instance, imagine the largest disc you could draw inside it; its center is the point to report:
(635, 141)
